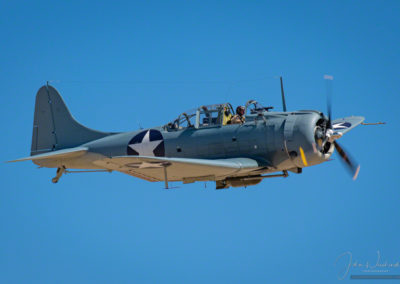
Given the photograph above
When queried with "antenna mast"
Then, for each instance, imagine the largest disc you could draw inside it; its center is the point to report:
(283, 96)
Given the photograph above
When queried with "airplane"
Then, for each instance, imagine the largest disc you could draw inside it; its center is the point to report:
(199, 145)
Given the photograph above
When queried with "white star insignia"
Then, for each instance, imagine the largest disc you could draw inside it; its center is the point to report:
(146, 147)
(340, 125)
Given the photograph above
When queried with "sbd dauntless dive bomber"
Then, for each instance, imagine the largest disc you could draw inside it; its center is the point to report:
(209, 143)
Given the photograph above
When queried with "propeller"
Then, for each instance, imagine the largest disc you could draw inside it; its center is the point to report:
(351, 165)
(349, 162)
(328, 99)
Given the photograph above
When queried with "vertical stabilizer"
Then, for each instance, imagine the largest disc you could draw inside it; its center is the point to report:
(54, 128)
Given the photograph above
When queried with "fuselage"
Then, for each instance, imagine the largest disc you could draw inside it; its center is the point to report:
(274, 139)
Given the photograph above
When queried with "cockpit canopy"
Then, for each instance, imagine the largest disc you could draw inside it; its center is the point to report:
(212, 115)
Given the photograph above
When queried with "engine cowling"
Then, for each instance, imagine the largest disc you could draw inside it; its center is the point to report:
(305, 139)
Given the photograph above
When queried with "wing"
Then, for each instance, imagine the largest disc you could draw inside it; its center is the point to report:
(179, 169)
(345, 124)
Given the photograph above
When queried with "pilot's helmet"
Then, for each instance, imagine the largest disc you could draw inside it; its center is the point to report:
(240, 110)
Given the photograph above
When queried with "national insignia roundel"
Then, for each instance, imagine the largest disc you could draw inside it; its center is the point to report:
(341, 125)
(147, 143)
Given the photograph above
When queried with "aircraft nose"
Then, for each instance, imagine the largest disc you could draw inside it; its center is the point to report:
(302, 134)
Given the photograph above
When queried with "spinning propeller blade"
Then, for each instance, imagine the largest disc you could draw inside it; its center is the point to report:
(329, 79)
(353, 167)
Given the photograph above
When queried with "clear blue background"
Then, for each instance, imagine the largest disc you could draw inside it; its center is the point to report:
(119, 65)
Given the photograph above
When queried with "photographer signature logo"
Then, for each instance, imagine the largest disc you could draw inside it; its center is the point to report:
(376, 269)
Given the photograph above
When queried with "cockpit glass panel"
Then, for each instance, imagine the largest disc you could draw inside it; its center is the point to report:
(184, 120)
(210, 115)
(187, 120)
(204, 116)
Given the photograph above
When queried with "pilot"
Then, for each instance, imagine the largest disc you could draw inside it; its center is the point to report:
(239, 116)
(227, 116)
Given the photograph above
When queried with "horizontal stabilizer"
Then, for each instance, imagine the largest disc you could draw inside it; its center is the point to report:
(60, 154)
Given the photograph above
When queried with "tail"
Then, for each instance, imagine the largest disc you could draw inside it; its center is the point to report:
(54, 128)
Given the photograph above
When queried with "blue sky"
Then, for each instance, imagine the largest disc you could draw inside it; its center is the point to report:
(123, 64)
